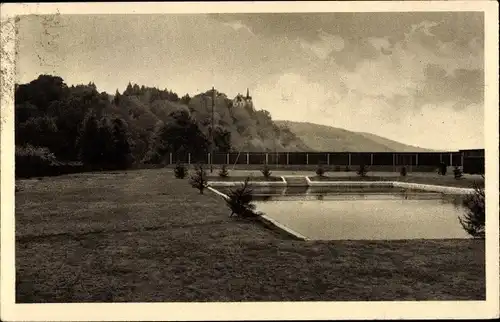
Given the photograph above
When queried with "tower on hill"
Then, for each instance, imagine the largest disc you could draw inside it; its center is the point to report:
(240, 100)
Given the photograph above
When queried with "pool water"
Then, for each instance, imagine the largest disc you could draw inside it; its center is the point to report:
(363, 213)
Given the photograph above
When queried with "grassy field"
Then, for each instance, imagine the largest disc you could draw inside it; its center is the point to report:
(145, 236)
(465, 182)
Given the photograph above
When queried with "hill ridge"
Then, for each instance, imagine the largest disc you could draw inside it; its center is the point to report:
(320, 137)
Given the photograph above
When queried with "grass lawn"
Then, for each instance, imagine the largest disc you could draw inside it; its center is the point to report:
(144, 236)
(435, 179)
(242, 178)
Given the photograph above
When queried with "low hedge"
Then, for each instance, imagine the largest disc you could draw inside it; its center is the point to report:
(39, 162)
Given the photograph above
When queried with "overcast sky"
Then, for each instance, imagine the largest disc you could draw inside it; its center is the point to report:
(413, 77)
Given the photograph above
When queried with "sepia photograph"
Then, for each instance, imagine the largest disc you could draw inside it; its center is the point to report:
(244, 153)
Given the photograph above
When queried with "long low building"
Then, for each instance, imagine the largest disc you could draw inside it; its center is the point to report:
(472, 161)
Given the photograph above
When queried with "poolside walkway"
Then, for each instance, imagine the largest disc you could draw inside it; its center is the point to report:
(296, 181)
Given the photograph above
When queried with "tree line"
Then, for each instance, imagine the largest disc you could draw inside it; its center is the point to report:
(56, 124)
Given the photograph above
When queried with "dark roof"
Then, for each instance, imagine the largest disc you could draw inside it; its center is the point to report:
(471, 150)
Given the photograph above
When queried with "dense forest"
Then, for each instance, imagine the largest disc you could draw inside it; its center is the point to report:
(60, 124)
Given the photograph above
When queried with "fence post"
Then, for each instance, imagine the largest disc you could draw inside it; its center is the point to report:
(307, 158)
(440, 157)
(371, 158)
(189, 157)
(451, 159)
(267, 158)
(462, 159)
(328, 158)
(248, 158)
(208, 158)
(349, 160)
(416, 159)
(227, 158)
(170, 158)
(287, 158)
(393, 161)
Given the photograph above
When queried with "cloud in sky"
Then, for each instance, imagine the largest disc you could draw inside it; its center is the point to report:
(237, 25)
(325, 45)
(385, 73)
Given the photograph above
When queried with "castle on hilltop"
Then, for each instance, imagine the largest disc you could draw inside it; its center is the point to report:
(241, 101)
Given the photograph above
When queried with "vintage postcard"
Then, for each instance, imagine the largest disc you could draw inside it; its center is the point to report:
(249, 161)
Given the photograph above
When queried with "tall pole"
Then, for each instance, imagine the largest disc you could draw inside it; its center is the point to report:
(212, 133)
(275, 151)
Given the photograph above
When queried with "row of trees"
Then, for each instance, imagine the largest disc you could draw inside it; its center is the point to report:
(67, 124)
(105, 143)
(59, 124)
(183, 135)
(152, 94)
(140, 125)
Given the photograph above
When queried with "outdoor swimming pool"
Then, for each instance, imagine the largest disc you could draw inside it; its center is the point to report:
(363, 213)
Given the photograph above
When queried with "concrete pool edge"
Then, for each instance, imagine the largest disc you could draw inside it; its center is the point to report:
(310, 183)
(395, 184)
(269, 222)
(281, 183)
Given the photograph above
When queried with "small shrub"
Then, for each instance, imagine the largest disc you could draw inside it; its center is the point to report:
(442, 169)
(403, 171)
(457, 173)
(320, 171)
(473, 221)
(266, 172)
(37, 154)
(362, 170)
(199, 179)
(38, 162)
(180, 171)
(33, 161)
(240, 201)
(223, 173)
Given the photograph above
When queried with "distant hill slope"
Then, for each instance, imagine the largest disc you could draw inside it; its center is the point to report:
(327, 138)
(394, 145)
